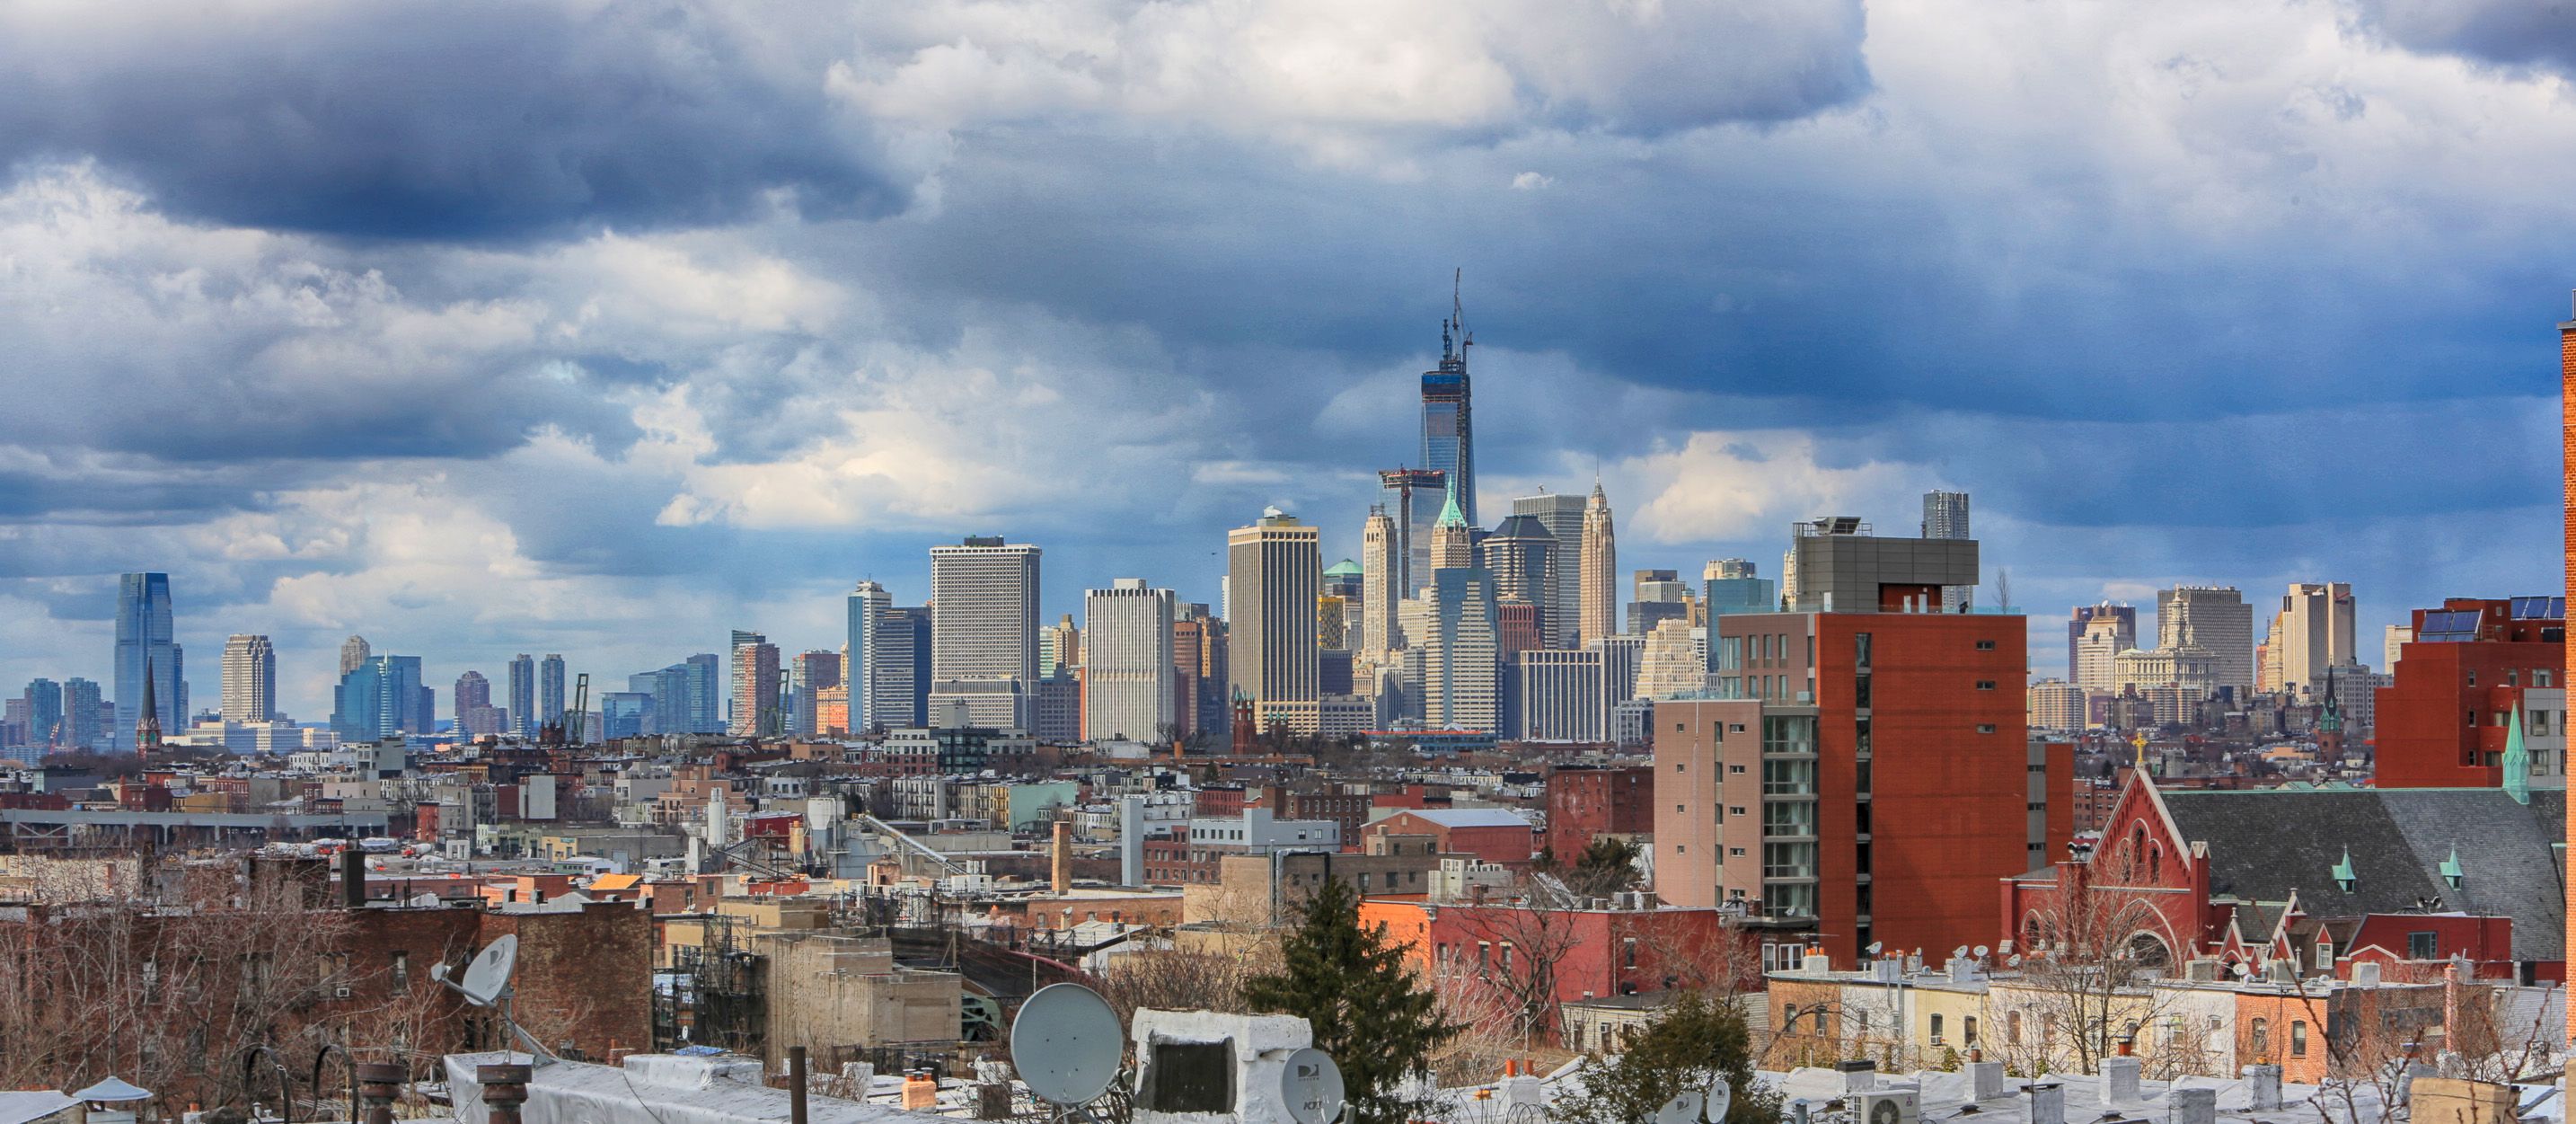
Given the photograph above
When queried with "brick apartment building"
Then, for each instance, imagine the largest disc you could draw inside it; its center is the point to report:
(2447, 721)
(1586, 802)
(1863, 774)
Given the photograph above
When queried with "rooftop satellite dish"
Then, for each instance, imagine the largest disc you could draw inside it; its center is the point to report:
(488, 977)
(1959, 953)
(487, 984)
(1311, 1087)
(1982, 952)
(1720, 1095)
(1066, 1044)
(1874, 947)
(1682, 1109)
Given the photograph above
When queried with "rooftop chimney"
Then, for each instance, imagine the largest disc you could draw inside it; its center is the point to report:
(1063, 873)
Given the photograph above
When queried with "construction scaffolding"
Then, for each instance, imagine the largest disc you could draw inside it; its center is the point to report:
(713, 994)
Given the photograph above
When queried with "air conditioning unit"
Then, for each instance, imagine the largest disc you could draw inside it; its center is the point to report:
(1901, 1106)
(340, 993)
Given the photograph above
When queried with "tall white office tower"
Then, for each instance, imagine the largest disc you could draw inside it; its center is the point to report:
(1275, 571)
(861, 654)
(1945, 516)
(2316, 633)
(1129, 685)
(250, 679)
(984, 631)
(1381, 569)
(1562, 515)
(2215, 618)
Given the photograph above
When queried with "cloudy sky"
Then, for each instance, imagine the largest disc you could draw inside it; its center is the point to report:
(560, 325)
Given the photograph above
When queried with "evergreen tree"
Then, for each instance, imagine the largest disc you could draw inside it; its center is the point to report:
(1691, 1042)
(1369, 1011)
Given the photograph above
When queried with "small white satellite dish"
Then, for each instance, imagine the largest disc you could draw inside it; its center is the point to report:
(1066, 1043)
(1959, 953)
(1311, 1087)
(1720, 1095)
(489, 975)
(1873, 948)
(1682, 1109)
(1983, 951)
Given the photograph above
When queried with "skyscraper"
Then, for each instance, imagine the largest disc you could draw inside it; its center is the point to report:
(984, 628)
(144, 639)
(755, 683)
(1453, 634)
(686, 698)
(1413, 499)
(250, 679)
(550, 690)
(1381, 582)
(868, 605)
(1600, 566)
(1731, 587)
(901, 694)
(80, 726)
(2215, 618)
(815, 672)
(45, 713)
(1128, 679)
(381, 698)
(1522, 555)
(1562, 515)
(475, 714)
(1945, 516)
(1346, 583)
(1448, 429)
(2081, 618)
(353, 652)
(1276, 570)
(2316, 633)
(523, 695)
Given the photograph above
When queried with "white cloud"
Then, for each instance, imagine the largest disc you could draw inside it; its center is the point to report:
(1726, 486)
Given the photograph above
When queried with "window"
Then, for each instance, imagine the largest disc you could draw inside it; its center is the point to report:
(1985, 684)
(1860, 817)
(1861, 859)
(1789, 778)
(1735, 768)
(1736, 810)
(2259, 1036)
(1789, 817)
(2473, 678)
(1737, 852)
(2540, 677)
(1985, 645)
(2423, 946)
(1860, 737)
(1860, 649)
(1788, 734)
(2512, 677)
(2012, 1028)
(2298, 1038)
(1788, 860)
(1860, 692)
(2539, 724)
(1860, 776)
(1936, 1030)
(1968, 1029)
(1630, 953)
(1985, 727)
(402, 971)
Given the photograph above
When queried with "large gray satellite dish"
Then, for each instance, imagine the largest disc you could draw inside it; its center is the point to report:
(489, 975)
(1682, 1109)
(1311, 1086)
(1720, 1095)
(1066, 1044)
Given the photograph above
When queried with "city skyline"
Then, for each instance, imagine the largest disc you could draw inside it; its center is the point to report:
(1824, 273)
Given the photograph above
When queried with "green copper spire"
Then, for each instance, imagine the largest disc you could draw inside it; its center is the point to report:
(2344, 877)
(2517, 760)
(1449, 513)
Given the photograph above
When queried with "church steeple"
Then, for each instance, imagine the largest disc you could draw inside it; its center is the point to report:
(147, 729)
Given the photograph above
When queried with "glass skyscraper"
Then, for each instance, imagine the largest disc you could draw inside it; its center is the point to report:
(1448, 429)
(144, 639)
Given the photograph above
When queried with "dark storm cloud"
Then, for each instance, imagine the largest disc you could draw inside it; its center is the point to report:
(417, 119)
(2512, 32)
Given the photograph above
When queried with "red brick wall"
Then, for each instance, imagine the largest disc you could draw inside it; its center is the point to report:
(584, 978)
(2425, 739)
(1585, 804)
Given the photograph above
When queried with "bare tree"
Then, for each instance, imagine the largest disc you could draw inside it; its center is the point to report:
(1517, 950)
(2091, 951)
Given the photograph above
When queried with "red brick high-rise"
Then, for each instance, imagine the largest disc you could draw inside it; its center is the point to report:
(2567, 541)
(1865, 772)
(2444, 722)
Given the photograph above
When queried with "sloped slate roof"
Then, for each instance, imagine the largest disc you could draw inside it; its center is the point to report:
(2265, 844)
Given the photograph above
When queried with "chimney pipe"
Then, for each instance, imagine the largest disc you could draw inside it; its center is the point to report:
(1063, 857)
(796, 1085)
(353, 877)
(1131, 840)
(378, 1084)
(505, 1088)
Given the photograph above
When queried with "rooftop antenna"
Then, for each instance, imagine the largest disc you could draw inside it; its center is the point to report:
(1066, 1044)
(487, 984)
